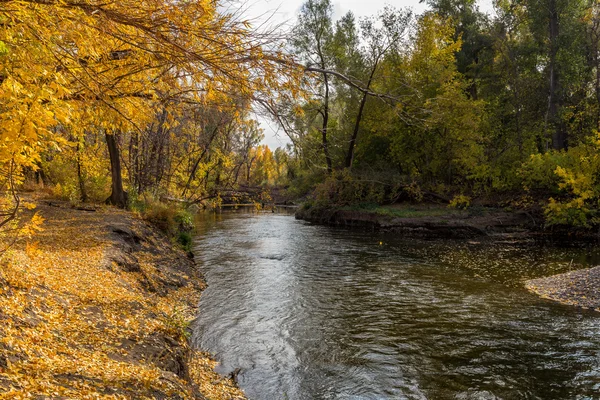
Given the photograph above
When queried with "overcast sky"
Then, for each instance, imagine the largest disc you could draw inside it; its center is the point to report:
(285, 12)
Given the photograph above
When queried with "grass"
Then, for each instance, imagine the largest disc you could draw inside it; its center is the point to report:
(405, 211)
(173, 220)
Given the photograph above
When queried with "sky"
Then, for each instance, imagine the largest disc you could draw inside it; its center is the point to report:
(276, 12)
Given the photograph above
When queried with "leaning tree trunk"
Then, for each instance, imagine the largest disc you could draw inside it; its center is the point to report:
(352, 146)
(118, 196)
(325, 111)
(324, 129)
(595, 51)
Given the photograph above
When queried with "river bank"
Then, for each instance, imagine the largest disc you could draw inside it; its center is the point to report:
(98, 304)
(430, 221)
(440, 221)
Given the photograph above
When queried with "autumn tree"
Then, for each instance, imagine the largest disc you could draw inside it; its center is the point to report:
(123, 61)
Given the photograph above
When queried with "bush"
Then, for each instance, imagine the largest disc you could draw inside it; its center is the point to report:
(67, 191)
(573, 213)
(185, 240)
(161, 215)
(304, 183)
(342, 189)
(176, 222)
(184, 220)
(135, 203)
(538, 173)
(573, 179)
(460, 201)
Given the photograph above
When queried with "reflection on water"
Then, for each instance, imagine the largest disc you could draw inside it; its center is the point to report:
(310, 312)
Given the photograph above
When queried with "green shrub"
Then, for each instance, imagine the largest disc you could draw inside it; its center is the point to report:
(538, 172)
(342, 189)
(185, 240)
(307, 205)
(176, 222)
(304, 183)
(184, 220)
(136, 203)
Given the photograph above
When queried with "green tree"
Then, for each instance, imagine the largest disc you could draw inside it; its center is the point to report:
(381, 36)
(312, 40)
(471, 27)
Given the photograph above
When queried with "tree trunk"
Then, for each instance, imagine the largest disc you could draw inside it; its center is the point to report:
(118, 196)
(559, 134)
(40, 175)
(595, 51)
(597, 94)
(325, 111)
(324, 129)
(352, 145)
(517, 104)
(197, 163)
(157, 154)
(134, 169)
(83, 194)
(350, 153)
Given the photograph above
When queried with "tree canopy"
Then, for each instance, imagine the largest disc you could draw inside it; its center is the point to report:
(453, 102)
(161, 81)
(125, 99)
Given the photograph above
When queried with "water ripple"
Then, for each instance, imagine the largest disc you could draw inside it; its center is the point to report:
(309, 312)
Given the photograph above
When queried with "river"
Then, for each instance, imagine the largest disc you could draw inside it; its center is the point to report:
(312, 312)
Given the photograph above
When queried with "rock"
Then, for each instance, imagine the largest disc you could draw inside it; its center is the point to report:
(162, 351)
(124, 233)
(126, 262)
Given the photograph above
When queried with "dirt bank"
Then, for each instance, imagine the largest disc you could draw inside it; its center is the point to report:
(98, 304)
(421, 221)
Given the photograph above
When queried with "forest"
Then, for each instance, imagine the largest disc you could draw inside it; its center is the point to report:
(123, 99)
(122, 121)
(455, 104)
(127, 101)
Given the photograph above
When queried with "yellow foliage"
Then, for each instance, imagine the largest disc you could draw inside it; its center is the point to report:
(71, 69)
(572, 175)
(460, 201)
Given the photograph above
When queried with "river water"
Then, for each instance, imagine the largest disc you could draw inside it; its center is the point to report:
(312, 312)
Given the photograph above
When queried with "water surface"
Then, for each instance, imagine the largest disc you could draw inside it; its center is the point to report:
(311, 312)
